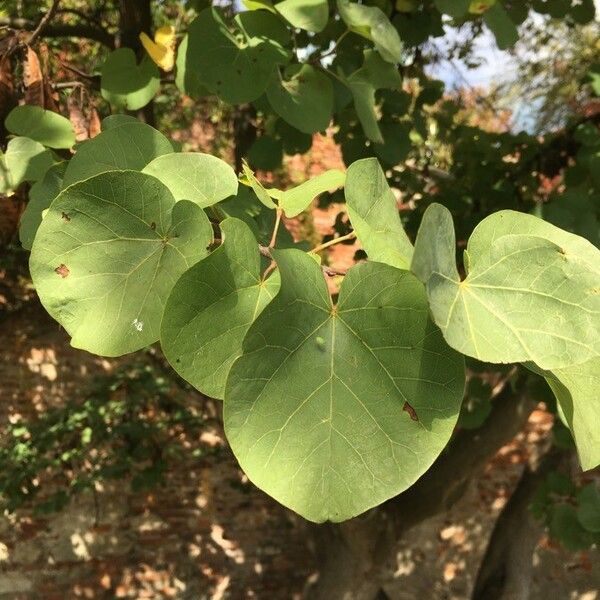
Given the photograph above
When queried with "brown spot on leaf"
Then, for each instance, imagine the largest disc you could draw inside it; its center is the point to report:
(153, 225)
(62, 270)
(411, 411)
(65, 217)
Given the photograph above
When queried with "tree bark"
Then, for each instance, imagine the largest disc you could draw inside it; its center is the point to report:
(506, 569)
(244, 132)
(135, 17)
(54, 30)
(355, 555)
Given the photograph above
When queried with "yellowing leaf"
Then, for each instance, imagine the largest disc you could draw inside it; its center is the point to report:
(162, 49)
(478, 7)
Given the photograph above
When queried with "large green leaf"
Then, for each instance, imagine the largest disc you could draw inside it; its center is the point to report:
(374, 74)
(311, 15)
(24, 160)
(236, 66)
(200, 178)
(298, 199)
(373, 212)
(577, 390)
(125, 146)
(531, 293)
(303, 97)
(334, 409)
(212, 307)
(372, 23)
(126, 84)
(43, 126)
(107, 254)
(41, 195)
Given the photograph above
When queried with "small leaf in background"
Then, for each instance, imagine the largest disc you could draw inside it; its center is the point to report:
(126, 84)
(266, 153)
(476, 406)
(311, 15)
(199, 178)
(588, 509)
(259, 5)
(24, 160)
(303, 96)
(44, 126)
(371, 22)
(505, 31)
(236, 69)
(374, 74)
(565, 527)
(457, 9)
(162, 49)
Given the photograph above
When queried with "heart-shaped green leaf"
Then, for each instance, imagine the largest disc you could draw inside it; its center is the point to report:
(212, 307)
(236, 65)
(41, 195)
(532, 292)
(332, 410)
(303, 97)
(372, 23)
(311, 15)
(107, 254)
(126, 84)
(373, 212)
(124, 146)
(200, 178)
(24, 160)
(374, 74)
(43, 126)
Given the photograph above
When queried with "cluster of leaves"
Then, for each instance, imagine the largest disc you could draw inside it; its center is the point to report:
(320, 399)
(132, 423)
(331, 406)
(571, 512)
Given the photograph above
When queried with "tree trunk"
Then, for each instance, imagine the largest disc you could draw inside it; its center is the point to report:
(356, 555)
(506, 569)
(135, 17)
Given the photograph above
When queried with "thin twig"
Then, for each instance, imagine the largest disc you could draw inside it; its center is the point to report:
(67, 84)
(43, 22)
(276, 228)
(338, 240)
